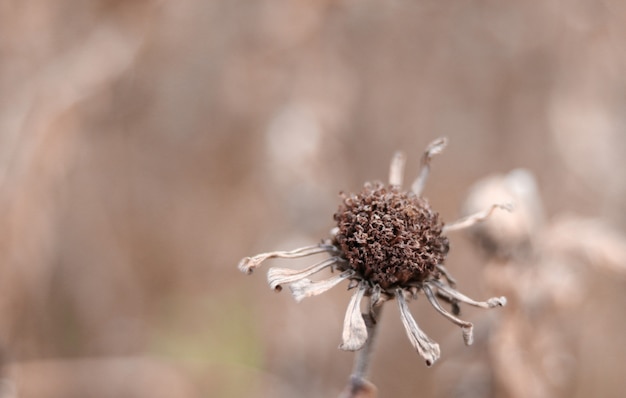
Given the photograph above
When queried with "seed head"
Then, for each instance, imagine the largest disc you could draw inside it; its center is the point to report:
(388, 237)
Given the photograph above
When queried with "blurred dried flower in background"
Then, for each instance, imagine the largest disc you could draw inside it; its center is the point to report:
(389, 244)
(546, 270)
(514, 235)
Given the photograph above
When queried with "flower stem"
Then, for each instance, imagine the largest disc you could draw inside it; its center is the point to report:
(359, 387)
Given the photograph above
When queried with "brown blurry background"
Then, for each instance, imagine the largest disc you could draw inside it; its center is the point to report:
(146, 146)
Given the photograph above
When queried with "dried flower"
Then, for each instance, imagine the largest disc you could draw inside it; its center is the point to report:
(388, 244)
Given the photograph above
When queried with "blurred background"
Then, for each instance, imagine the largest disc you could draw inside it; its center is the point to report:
(147, 146)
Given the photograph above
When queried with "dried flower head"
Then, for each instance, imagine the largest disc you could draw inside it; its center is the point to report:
(388, 243)
(390, 237)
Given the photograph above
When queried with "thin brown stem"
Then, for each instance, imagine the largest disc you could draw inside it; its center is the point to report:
(358, 386)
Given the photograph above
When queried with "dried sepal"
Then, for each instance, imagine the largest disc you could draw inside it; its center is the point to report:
(378, 297)
(466, 327)
(353, 283)
(276, 277)
(413, 291)
(490, 303)
(427, 348)
(248, 264)
(354, 333)
(476, 218)
(307, 288)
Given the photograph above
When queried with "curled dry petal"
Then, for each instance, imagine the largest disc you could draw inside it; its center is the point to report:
(354, 333)
(476, 218)
(490, 303)
(428, 349)
(454, 304)
(248, 264)
(434, 148)
(306, 288)
(281, 276)
(466, 327)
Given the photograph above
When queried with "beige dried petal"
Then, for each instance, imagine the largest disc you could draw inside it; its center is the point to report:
(248, 264)
(354, 333)
(490, 303)
(473, 219)
(282, 276)
(396, 170)
(306, 288)
(428, 349)
(434, 148)
(466, 327)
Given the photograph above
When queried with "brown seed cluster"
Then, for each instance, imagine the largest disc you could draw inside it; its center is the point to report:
(390, 238)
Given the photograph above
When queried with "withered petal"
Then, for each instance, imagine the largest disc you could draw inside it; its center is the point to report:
(473, 219)
(282, 276)
(354, 333)
(434, 148)
(490, 303)
(466, 327)
(427, 348)
(248, 264)
(306, 288)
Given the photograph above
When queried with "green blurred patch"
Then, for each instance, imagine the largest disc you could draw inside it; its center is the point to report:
(217, 340)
